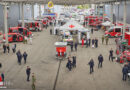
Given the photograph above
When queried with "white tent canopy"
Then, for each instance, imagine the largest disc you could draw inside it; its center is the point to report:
(71, 25)
(107, 23)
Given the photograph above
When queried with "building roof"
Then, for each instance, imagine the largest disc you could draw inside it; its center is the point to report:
(61, 2)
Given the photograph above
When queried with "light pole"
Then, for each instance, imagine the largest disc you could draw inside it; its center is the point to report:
(124, 18)
(5, 22)
(33, 11)
(22, 15)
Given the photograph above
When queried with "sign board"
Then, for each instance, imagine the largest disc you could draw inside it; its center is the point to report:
(50, 4)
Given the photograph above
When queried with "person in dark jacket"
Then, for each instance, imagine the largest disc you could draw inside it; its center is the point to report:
(4, 48)
(50, 31)
(125, 72)
(100, 60)
(3, 76)
(111, 55)
(56, 32)
(74, 61)
(8, 48)
(14, 48)
(28, 72)
(89, 42)
(91, 64)
(93, 42)
(15, 45)
(92, 31)
(19, 56)
(76, 45)
(96, 42)
(69, 64)
(25, 57)
(0, 65)
(71, 46)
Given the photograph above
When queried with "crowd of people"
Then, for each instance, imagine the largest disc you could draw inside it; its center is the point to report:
(6, 49)
(90, 42)
(19, 57)
(71, 63)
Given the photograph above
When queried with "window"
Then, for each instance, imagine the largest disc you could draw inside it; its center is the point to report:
(9, 35)
(110, 29)
(15, 31)
(11, 30)
(118, 30)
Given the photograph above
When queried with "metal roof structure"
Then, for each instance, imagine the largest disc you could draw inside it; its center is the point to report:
(62, 2)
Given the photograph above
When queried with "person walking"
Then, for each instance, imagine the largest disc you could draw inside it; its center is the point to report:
(26, 39)
(76, 45)
(13, 48)
(107, 39)
(124, 72)
(33, 82)
(46, 26)
(93, 42)
(71, 46)
(28, 71)
(69, 64)
(50, 31)
(3, 77)
(19, 56)
(92, 30)
(0, 65)
(91, 64)
(102, 39)
(89, 42)
(4, 48)
(111, 55)
(8, 48)
(74, 61)
(30, 40)
(96, 42)
(25, 57)
(82, 42)
(56, 32)
(100, 61)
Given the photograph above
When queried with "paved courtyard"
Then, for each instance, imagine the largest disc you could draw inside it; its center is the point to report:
(42, 60)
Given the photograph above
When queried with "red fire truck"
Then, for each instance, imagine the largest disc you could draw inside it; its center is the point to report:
(123, 48)
(23, 31)
(32, 25)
